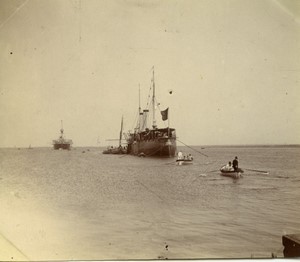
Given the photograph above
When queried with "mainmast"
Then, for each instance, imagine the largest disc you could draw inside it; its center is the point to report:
(153, 101)
(121, 131)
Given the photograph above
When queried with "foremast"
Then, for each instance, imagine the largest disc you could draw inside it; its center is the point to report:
(153, 100)
(121, 133)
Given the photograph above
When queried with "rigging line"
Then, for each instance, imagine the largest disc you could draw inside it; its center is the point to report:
(134, 124)
(16, 11)
(191, 147)
(148, 98)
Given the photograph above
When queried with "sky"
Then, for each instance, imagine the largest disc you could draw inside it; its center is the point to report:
(233, 67)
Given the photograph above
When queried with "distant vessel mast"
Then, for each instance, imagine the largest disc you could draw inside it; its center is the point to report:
(121, 133)
(62, 129)
(153, 100)
(140, 110)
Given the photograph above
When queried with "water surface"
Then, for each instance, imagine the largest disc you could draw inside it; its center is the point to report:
(81, 204)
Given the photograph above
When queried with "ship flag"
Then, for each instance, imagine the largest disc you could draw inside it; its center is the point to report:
(164, 114)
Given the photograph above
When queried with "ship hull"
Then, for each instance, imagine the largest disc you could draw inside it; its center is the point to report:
(184, 162)
(163, 147)
(62, 146)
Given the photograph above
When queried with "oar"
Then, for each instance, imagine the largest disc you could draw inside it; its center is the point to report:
(212, 171)
(170, 163)
(255, 170)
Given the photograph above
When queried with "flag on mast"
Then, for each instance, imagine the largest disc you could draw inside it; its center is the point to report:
(164, 114)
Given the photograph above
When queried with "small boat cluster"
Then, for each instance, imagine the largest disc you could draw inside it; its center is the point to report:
(115, 150)
(184, 159)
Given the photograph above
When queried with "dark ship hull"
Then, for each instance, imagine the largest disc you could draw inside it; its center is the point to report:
(143, 144)
(62, 146)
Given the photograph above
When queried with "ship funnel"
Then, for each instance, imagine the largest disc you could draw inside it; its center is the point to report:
(141, 120)
(145, 119)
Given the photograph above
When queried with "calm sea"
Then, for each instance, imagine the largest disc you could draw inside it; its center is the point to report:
(81, 204)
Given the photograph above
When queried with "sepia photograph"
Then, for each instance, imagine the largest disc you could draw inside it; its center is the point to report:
(149, 129)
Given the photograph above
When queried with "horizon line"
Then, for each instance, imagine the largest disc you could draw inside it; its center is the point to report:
(217, 145)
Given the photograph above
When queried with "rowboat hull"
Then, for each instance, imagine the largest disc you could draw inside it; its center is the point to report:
(184, 162)
(233, 174)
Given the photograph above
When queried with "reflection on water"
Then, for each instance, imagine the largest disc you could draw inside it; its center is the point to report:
(70, 205)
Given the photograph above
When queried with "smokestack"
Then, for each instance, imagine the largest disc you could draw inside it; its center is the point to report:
(145, 119)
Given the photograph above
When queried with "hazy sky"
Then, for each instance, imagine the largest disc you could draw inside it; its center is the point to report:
(233, 67)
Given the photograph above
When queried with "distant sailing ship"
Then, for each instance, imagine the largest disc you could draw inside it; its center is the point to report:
(62, 142)
(145, 141)
(119, 149)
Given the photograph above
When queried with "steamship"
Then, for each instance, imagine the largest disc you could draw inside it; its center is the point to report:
(152, 141)
(62, 142)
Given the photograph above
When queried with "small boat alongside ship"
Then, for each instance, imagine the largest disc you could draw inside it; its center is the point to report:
(62, 142)
(184, 160)
(117, 150)
(152, 141)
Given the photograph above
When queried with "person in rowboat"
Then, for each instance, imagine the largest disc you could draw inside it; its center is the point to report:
(235, 164)
(228, 167)
(179, 156)
(190, 157)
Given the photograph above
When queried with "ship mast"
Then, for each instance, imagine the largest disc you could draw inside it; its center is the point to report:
(153, 101)
(139, 125)
(121, 131)
(62, 129)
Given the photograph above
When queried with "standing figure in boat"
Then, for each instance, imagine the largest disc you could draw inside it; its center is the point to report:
(235, 164)
(152, 141)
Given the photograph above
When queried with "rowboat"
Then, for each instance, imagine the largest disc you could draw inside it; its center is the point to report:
(231, 173)
(181, 162)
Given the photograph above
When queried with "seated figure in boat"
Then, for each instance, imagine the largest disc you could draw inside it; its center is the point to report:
(190, 157)
(228, 167)
(180, 156)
